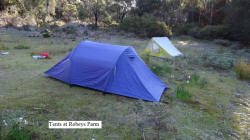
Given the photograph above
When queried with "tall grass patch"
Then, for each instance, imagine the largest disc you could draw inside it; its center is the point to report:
(182, 93)
(21, 47)
(242, 70)
(200, 82)
(160, 70)
(3, 47)
(18, 133)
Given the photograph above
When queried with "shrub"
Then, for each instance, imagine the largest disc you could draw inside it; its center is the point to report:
(3, 47)
(213, 32)
(107, 20)
(69, 30)
(221, 61)
(21, 47)
(182, 93)
(184, 29)
(46, 34)
(82, 12)
(145, 26)
(242, 70)
(194, 32)
(207, 32)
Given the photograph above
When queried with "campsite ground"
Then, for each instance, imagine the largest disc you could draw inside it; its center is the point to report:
(217, 106)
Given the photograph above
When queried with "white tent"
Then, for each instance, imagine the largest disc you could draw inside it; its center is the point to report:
(161, 46)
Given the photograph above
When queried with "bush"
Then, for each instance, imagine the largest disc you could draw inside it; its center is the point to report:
(21, 47)
(69, 30)
(3, 47)
(194, 32)
(46, 34)
(145, 26)
(207, 32)
(223, 62)
(184, 29)
(242, 70)
(213, 32)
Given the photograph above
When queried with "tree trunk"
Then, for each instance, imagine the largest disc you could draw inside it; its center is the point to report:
(96, 19)
(200, 17)
(211, 12)
(47, 6)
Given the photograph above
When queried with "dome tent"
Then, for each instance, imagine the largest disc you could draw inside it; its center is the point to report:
(109, 68)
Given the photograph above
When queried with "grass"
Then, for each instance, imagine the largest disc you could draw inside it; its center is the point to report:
(18, 133)
(21, 47)
(195, 78)
(3, 47)
(159, 70)
(182, 93)
(213, 113)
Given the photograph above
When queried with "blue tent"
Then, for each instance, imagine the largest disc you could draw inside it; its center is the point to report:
(109, 68)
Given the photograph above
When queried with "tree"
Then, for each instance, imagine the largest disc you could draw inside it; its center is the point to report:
(121, 8)
(238, 18)
(148, 6)
(69, 11)
(97, 8)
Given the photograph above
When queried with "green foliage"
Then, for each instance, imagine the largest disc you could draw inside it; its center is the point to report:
(97, 8)
(107, 20)
(145, 26)
(182, 93)
(69, 11)
(159, 70)
(3, 47)
(82, 13)
(30, 4)
(200, 82)
(185, 28)
(206, 32)
(213, 32)
(46, 34)
(195, 78)
(203, 83)
(40, 16)
(221, 61)
(21, 47)
(194, 32)
(18, 133)
(238, 19)
(69, 30)
(242, 70)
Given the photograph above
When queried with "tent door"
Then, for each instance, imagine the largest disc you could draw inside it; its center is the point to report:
(154, 47)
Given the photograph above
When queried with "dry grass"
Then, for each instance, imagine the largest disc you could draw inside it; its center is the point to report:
(242, 70)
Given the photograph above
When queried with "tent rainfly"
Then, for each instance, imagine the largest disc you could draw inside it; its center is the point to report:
(162, 47)
(109, 68)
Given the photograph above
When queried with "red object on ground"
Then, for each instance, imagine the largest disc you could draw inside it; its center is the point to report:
(45, 54)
